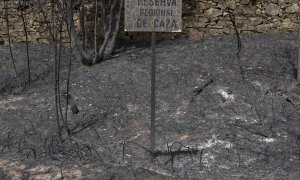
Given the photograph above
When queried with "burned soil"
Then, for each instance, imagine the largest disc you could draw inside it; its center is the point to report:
(218, 117)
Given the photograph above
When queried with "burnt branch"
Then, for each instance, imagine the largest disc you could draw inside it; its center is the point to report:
(199, 89)
(237, 33)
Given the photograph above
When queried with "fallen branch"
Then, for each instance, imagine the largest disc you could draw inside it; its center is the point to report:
(82, 125)
(199, 89)
(252, 131)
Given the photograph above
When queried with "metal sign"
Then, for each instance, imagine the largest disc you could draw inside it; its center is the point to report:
(153, 15)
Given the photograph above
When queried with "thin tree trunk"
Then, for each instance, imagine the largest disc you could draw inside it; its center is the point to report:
(56, 75)
(67, 93)
(95, 28)
(68, 78)
(86, 59)
(26, 39)
(45, 19)
(9, 44)
(298, 70)
(103, 16)
(82, 23)
(107, 27)
(111, 44)
(64, 121)
(107, 34)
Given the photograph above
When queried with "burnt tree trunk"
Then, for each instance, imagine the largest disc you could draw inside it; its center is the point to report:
(111, 27)
(298, 69)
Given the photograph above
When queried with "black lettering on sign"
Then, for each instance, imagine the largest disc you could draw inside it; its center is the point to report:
(142, 12)
(141, 23)
(156, 12)
(157, 2)
(165, 23)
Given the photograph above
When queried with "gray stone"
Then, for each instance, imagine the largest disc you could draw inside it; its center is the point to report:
(256, 21)
(272, 9)
(287, 23)
(214, 12)
(231, 4)
(264, 27)
(292, 9)
(274, 1)
(245, 1)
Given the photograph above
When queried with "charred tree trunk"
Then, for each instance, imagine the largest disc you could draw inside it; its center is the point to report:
(67, 13)
(111, 26)
(82, 23)
(9, 43)
(23, 14)
(111, 44)
(298, 69)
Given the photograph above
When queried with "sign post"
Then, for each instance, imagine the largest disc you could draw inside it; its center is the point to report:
(153, 16)
(153, 99)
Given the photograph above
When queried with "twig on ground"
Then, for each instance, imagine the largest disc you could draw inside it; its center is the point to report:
(199, 89)
(253, 132)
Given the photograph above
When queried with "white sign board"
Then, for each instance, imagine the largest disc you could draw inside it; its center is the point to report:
(153, 15)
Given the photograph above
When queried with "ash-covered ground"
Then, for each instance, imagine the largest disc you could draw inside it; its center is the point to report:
(217, 117)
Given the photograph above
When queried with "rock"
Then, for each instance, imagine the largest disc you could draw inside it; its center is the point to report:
(74, 109)
(280, 2)
(202, 6)
(247, 10)
(274, 1)
(263, 27)
(231, 4)
(292, 9)
(255, 21)
(200, 24)
(272, 9)
(287, 23)
(245, 2)
(276, 23)
(211, 15)
(214, 12)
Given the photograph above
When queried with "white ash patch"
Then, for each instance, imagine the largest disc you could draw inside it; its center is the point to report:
(208, 159)
(181, 110)
(269, 140)
(245, 119)
(213, 142)
(226, 94)
(132, 107)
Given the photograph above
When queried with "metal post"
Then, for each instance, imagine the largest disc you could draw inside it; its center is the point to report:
(153, 65)
(298, 68)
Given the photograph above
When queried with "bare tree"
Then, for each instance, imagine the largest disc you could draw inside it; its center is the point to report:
(61, 14)
(54, 24)
(110, 21)
(22, 8)
(9, 42)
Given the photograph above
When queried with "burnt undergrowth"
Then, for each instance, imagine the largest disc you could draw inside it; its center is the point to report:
(211, 122)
